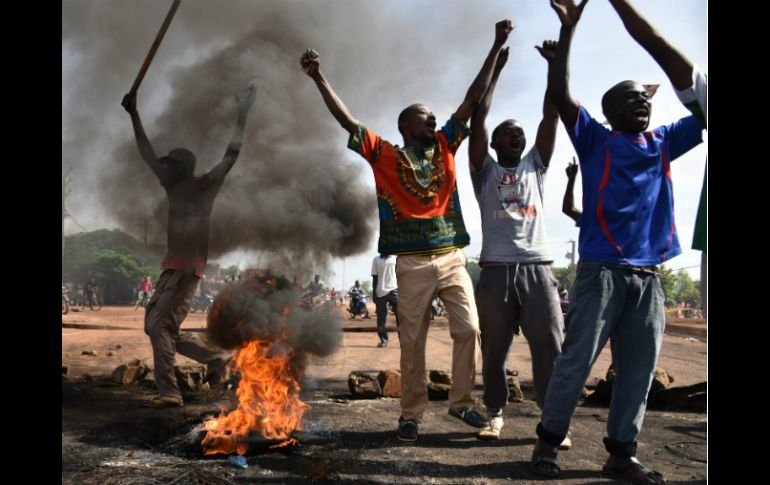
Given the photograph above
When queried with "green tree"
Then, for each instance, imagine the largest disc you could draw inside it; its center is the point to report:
(566, 276)
(115, 271)
(687, 290)
(668, 280)
(115, 259)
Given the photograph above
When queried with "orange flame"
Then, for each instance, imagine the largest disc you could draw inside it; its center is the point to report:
(268, 400)
(292, 441)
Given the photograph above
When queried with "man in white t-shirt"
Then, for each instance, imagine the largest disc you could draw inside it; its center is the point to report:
(385, 290)
(516, 288)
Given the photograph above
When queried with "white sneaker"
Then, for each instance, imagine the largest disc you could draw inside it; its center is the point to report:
(566, 444)
(492, 432)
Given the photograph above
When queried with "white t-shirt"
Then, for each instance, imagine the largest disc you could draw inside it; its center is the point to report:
(385, 271)
(511, 202)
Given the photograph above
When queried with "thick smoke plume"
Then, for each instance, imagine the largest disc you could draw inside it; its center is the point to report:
(296, 194)
(264, 307)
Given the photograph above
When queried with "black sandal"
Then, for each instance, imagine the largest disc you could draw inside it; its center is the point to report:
(544, 462)
(632, 470)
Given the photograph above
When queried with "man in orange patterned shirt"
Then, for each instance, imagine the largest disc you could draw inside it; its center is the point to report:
(421, 222)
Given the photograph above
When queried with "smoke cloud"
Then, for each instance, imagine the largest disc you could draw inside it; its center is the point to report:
(265, 307)
(295, 194)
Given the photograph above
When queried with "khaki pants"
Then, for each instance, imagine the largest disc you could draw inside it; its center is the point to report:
(419, 279)
(164, 315)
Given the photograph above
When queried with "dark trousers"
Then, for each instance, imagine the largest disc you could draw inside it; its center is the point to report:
(381, 305)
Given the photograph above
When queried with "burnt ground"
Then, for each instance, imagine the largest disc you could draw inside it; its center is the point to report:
(108, 438)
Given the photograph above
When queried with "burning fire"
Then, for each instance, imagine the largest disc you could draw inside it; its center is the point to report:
(268, 399)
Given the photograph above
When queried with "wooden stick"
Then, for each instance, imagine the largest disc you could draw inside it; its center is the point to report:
(155, 45)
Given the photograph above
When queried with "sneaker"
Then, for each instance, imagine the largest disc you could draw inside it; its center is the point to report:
(492, 432)
(383, 344)
(566, 444)
(470, 416)
(407, 429)
(160, 402)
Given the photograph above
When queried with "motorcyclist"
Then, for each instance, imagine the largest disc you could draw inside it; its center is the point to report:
(357, 299)
(90, 291)
(145, 291)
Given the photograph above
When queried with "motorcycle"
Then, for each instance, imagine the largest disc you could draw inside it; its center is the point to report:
(357, 306)
(143, 298)
(437, 308)
(93, 299)
(311, 301)
(201, 303)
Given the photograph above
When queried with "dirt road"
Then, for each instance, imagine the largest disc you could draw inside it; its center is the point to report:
(108, 438)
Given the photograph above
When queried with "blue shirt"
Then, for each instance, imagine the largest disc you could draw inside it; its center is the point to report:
(628, 197)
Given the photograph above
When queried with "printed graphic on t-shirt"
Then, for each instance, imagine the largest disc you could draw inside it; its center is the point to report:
(512, 198)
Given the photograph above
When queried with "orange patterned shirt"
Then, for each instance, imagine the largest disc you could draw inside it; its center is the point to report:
(417, 197)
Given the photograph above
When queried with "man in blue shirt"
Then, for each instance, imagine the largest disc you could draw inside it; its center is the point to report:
(626, 229)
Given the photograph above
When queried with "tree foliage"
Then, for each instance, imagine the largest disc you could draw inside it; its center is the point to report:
(566, 276)
(113, 258)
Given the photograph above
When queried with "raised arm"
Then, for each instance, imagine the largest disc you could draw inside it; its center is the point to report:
(558, 68)
(145, 147)
(311, 64)
(234, 147)
(676, 65)
(481, 82)
(546, 131)
(568, 204)
(479, 139)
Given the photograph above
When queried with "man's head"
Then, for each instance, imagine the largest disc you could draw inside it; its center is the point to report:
(358, 284)
(317, 278)
(627, 107)
(180, 163)
(417, 123)
(508, 141)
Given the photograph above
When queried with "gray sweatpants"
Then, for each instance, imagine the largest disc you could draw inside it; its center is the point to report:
(509, 297)
(164, 315)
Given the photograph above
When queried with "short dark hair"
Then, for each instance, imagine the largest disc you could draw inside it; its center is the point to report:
(499, 127)
(405, 113)
(607, 97)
